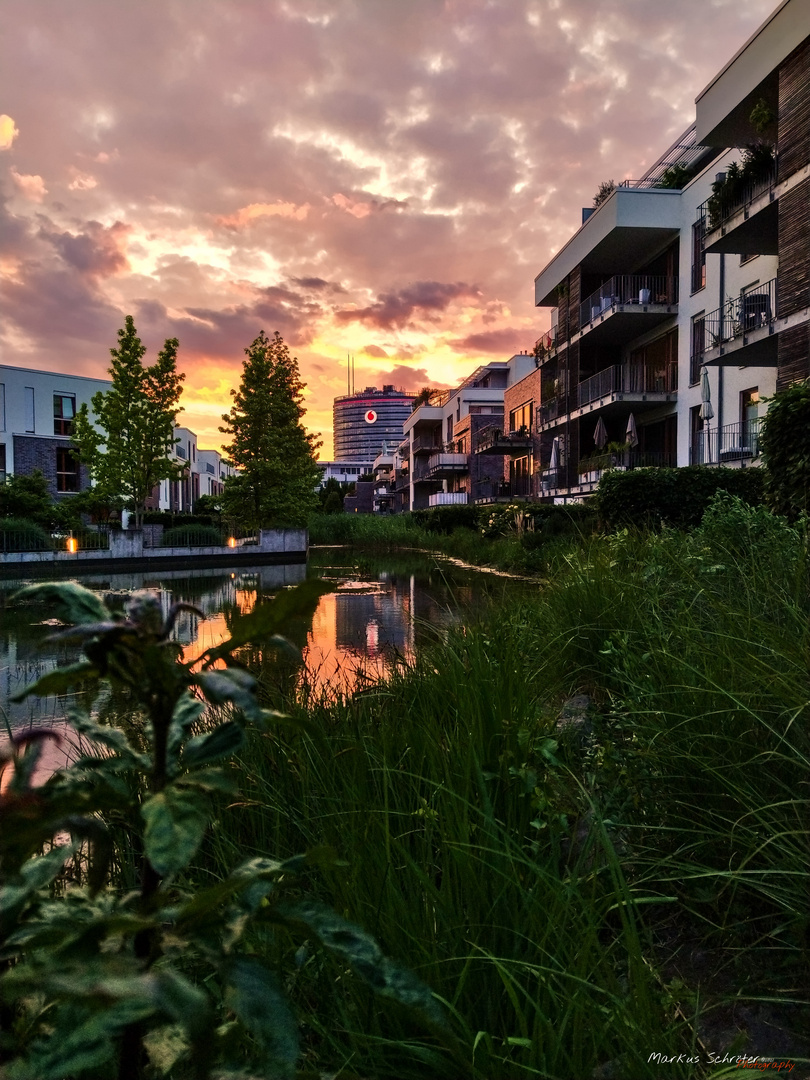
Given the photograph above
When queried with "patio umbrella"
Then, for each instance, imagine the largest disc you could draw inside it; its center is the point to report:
(554, 464)
(600, 435)
(706, 410)
(630, 434)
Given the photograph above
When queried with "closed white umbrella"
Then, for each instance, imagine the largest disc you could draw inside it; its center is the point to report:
(630, 434)
(554, 464)
(600, 435)
(706, 410)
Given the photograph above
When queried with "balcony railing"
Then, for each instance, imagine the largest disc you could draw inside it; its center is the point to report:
(741, 314)
(551, 409)
(447, 498)
(521, 487)
(546, 343)
(734, 196)
(426, 444)
(494, 439)
(625, 459)
(722, 446)
(625, 289)
(447, 464)
(629, 379)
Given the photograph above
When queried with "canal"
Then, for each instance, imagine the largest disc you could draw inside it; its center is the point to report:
(383, 609)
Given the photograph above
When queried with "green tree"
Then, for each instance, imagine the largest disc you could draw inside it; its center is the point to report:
(784, 442)
(130, 455)
(269, 445)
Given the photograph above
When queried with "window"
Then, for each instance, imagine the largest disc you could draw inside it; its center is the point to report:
(67, 470)
(64, 410)
(697, 445)
(749, 415)
(2, 406)
(698, 255)
(2, 463)
(29, 410)
(697, 347)
(522, 417)
(747, 258)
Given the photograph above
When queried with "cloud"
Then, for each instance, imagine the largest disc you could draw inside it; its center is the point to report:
(374, 350)
(8, 132)
(31, 187)
(506, 341)
(397, 309)
(248, 214)
(410, 379)
(96, 251)
(82, 181)
(362, 208)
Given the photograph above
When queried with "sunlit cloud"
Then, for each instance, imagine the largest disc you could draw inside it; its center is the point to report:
(8, 132)
(31, 187)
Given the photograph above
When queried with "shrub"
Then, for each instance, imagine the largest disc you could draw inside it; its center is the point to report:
(678, 497)
(169, 519)
(444, 519)
(192, 536)
(785, 445)
(19, 534)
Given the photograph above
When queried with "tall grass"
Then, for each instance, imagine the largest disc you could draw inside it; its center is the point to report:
(547, 883)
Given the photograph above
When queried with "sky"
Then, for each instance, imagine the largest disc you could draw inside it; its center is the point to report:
(381, 178)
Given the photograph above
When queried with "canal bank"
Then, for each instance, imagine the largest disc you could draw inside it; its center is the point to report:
(131, 550)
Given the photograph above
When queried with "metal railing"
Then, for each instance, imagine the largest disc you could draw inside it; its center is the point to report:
(551, 479)
(627, 459)
(734, 442)
(624, 289)
(521, 487)
(448, 498)
(546, 343)
(552, 409)
(732, 197)
(494, 437)
(741, 314)
(629, 379)
(426, 444)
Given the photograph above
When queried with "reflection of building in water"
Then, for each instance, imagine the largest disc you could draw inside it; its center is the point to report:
(372, 623)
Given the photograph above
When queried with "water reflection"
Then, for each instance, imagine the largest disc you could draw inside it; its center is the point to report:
(383, 609)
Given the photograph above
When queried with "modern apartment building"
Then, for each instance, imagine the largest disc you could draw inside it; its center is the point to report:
(36, 421)
(683, 298)
(437, 463)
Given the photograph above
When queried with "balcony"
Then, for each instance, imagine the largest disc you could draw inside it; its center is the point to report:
(552, 409)
(730, 445)
(444, 465)
(592, 468)
(546, 344)
(627, 306)
(495, 491)
(742, 218)
(744, 330)
(426, 444)
(448, 498)
(492, 441)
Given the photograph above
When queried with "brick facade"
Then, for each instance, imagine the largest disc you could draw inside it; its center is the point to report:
(33, 452)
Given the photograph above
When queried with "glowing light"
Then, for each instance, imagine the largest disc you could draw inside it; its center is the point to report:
(231, 542)
(73, 545)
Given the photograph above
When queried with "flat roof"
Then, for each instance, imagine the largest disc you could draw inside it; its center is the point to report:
(724, 106)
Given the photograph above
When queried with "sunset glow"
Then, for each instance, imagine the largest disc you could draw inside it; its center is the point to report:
(379, 179)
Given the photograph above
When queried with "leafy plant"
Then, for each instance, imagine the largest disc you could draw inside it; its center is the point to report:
(19, 534)
(95, 982)
(606, 189)
(192, 536)
(784, 442)
(675, 176)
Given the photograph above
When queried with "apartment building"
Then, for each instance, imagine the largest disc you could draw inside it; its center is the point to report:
(671, 319)
(437, 463)
(36, 421)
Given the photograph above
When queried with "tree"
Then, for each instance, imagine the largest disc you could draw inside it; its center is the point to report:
(784, 442)
(130, 455)
(275, 455)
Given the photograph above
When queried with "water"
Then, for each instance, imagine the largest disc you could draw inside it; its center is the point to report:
(384, 608)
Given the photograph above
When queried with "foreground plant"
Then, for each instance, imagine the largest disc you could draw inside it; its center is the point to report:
(164, 979)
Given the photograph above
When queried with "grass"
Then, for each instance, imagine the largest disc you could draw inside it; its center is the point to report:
(554, 886)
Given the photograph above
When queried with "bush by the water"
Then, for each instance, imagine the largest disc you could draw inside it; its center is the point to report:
(192, 536)
(677, 497)
(20, 534)
(169, 519)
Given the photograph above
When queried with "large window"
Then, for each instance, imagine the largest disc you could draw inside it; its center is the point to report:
(697, 347)
(522, 417)
(699, 255)
(67, 470)
(64, 410)
(2, 463)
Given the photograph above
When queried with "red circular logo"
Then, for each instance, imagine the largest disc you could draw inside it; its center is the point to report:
(371, 416)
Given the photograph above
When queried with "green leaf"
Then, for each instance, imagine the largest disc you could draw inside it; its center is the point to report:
(183, 1002)
(176, 820)
(219, 743)
(59, 681)
(187, 712)
(35, 873)
(364, 955)
(233, 685)
(111, 737)
(256, 998)
(72, 603)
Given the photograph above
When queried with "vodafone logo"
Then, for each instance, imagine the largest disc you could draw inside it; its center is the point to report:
(371, 417)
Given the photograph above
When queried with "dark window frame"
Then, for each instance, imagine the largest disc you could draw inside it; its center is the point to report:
(68, 476)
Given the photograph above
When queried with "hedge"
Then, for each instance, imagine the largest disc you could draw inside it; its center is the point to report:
(677, 497)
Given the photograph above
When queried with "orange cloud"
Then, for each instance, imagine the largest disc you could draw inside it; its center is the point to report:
(249, 213)
(30, 187)
(8, 132)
